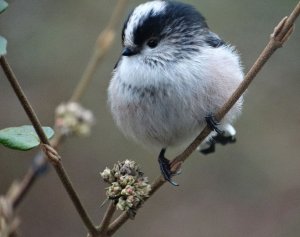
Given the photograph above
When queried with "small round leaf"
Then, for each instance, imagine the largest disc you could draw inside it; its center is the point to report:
(22, 138)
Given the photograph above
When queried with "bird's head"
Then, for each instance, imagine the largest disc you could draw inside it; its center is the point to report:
(158, 32)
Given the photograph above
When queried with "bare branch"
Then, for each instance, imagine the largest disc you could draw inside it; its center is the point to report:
(103, 44)
(24, 187)
(39, 166)
(33, 172)
(107, 218)
(49, 151)
(118, 223)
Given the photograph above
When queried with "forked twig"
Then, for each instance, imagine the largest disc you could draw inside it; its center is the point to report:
(101, 48)
(107, 218)
(48, 150)
(103, 44)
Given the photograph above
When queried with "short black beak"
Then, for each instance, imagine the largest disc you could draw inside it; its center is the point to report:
(129, 52)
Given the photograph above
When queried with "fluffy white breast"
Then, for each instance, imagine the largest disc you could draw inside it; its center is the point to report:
(184, 93)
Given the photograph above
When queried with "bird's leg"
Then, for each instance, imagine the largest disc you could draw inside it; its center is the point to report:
(213, 124)
(227, 136)
(165, 167)
(208, 146)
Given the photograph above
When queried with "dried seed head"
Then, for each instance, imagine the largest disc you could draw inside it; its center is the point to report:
(71, 118)
(128, 186)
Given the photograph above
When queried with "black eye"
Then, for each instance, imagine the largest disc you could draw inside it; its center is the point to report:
(152, 43)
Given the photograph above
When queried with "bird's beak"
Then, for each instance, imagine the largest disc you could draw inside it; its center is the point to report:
(129, 52)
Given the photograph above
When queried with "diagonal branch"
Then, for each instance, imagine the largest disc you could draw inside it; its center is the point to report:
(281, 33)
(107, 218)
(38, 169)
(103, 44)
(23, 187)
(49, 151)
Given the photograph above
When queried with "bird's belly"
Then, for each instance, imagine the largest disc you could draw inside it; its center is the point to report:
(154, 118)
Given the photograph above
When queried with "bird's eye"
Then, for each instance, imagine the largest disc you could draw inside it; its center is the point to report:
(152, 43)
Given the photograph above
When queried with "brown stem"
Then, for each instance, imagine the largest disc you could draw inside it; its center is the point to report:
(121, 220)
(44, 140)
(117, 14)
(103, 44)
(107, 218)
(289, 23)
(278, 38)
(24, 187)
(33, 172)
(23, 100)
(31, 175)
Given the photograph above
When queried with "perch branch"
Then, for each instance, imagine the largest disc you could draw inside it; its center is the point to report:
(281, 33)
(49, 151)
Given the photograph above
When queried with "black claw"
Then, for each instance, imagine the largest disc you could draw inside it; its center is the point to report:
(165, 167)
(213, 124)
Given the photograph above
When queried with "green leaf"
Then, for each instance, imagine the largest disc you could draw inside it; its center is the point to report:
(3, 6)
(22, 138)
(3, 43)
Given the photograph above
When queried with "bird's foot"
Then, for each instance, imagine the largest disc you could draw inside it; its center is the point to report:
(213, 124)
(165, 167)
(227, 136)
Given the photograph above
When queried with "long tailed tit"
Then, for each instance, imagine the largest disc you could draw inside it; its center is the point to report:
(173, 75)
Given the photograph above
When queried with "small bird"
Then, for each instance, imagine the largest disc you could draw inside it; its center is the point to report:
(172, 77)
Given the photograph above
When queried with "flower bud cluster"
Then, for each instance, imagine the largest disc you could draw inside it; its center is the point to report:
(128, 186)
(71, 118)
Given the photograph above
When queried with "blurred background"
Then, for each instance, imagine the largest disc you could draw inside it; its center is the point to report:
(251, 188)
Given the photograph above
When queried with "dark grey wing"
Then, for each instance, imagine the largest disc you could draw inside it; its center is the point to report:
(214, 40)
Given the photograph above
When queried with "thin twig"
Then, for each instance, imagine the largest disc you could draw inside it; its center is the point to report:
(281, 33)
(107, 218)
(24, 187)
(121, 220)
(32, 174)
(23, 100)
(56, 161)
(103, 44)
(39, 166)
